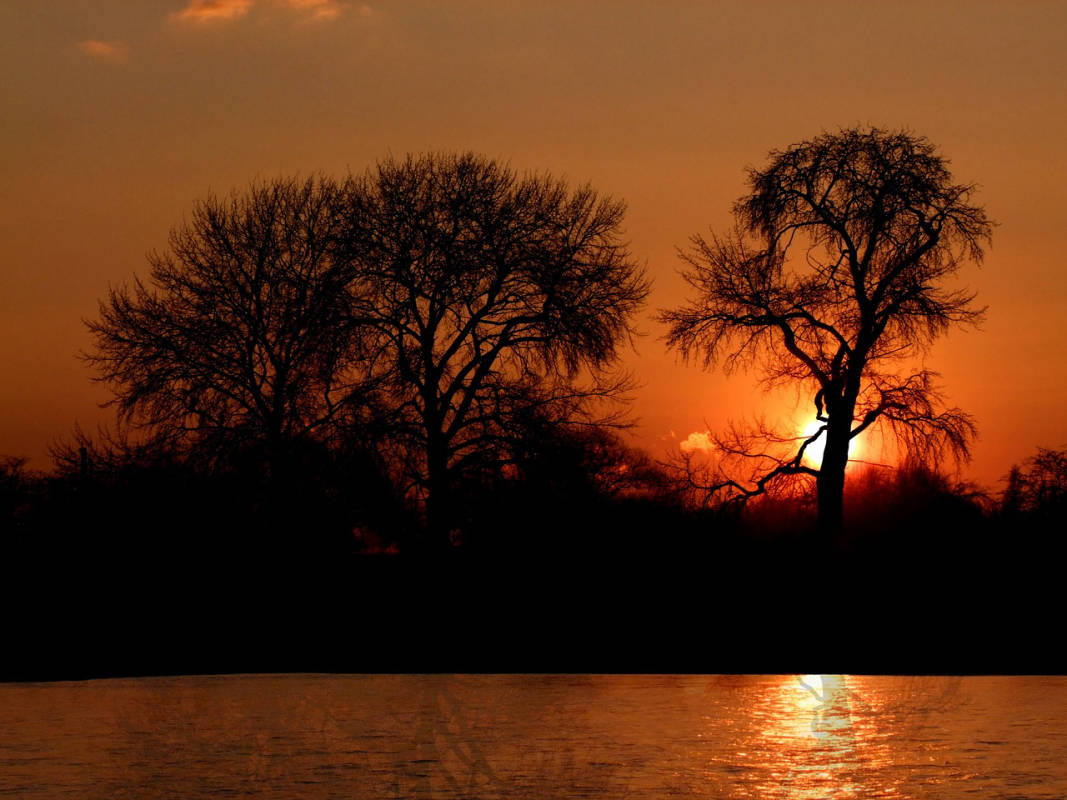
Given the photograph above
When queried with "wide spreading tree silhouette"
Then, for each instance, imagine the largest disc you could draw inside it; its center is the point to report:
(436, 309)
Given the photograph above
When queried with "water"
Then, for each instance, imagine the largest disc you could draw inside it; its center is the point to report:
(517, 736)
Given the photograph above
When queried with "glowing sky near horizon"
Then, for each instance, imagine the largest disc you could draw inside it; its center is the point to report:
(118, 115)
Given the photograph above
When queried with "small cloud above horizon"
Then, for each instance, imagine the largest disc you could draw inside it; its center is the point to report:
(113, 52)
(697, 441)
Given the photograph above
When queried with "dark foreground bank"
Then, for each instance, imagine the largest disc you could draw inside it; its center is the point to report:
(395, 614)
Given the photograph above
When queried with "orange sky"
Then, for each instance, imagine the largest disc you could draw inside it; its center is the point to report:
(117, 115)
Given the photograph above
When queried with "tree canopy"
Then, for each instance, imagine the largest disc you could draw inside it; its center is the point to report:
(491, 300)
(242, 334)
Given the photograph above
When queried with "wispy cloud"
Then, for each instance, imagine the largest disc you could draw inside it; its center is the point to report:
(213, 10)
(318, 9)
(114, 52)
(200, 11)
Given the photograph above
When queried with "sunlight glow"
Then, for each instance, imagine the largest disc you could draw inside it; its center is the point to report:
(814, 451)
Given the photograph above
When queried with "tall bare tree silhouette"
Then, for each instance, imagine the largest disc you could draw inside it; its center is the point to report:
(836, 277)
(492, 298)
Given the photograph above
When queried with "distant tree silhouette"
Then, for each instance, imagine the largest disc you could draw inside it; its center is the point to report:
(241, 338)
(146, 496)
(488, 297)
(16, 484)
(576, 489)
(593, 461)
(835, 278)
(1039, 487)
(915, 510)
(82, 456)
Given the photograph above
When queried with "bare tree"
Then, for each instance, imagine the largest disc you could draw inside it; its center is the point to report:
(242, 335)
(837, 277)
(492, 299)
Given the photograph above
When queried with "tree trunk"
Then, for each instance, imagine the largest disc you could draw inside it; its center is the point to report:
(279, 526)
(831, 481)
(438, 499)
(831, 492)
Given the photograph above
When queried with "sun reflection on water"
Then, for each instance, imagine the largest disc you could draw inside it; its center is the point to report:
(816, 737)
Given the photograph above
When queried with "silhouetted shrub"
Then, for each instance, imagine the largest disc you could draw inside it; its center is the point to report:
(915, 512)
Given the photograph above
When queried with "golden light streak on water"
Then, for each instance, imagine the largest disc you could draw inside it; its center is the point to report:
(810, 733)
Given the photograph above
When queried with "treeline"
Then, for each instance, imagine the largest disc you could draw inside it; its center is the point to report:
(566, 493)
(572, 495)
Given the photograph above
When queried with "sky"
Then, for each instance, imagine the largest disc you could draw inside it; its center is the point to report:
(119, 115)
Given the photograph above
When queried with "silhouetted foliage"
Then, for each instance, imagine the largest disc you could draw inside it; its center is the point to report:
(147, 496)
(835, 278)
(85, 457)
(17, 486)
(488, 297)
(894, 519)
(591, 461)
(916, 513)
(575, 490)
(1035, 498)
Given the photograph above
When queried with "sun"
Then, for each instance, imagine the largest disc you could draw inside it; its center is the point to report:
(813, 452)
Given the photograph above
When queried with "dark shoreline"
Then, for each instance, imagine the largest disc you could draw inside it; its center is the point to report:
(659, 615)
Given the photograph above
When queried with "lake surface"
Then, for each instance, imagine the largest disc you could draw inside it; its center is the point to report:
(536, 736)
